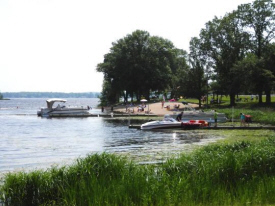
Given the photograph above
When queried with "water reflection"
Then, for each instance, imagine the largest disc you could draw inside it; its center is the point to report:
(151, 146)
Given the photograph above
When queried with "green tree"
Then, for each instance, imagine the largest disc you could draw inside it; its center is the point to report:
(177, 84)
(196, 81)
(224, 43)
(258, 19)
(253, 75)
(269, 64)
(139, 64)
(108, 95)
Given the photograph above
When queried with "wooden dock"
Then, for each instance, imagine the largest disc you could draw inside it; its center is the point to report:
(104, 115)
(219, 128)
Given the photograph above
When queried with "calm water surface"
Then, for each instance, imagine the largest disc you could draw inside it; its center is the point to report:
(28, 141)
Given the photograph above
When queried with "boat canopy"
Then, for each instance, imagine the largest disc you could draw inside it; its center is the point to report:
(50, 102)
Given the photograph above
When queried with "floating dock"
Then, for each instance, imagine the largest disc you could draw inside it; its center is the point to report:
(218, 128)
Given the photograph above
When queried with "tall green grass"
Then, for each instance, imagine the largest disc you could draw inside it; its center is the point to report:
(221, 174)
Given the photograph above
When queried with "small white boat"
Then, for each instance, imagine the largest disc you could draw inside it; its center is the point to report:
(167, 123)
(62, 111)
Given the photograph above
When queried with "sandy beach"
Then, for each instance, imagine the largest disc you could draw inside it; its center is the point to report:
(155, 108)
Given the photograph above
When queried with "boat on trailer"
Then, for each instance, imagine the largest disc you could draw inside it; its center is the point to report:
(62, 111)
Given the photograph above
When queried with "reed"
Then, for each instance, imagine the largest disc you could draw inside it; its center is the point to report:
(238, 173)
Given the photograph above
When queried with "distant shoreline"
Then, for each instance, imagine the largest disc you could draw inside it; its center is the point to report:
(8, 95)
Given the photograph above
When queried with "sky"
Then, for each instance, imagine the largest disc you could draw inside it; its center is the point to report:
(55, 45)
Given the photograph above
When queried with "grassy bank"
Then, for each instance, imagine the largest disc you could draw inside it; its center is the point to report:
(260, 112)
(264, 115)
(237, 173)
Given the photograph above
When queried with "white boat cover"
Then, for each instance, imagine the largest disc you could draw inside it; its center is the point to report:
(50, 102)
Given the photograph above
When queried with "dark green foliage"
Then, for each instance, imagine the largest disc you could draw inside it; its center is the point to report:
(227, 44)
(138, 64)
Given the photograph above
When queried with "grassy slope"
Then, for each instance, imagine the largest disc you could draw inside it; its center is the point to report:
(260, 113)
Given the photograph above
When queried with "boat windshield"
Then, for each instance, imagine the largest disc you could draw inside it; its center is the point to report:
(170, 119)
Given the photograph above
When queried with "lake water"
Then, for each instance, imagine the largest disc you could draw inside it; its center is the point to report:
(29, 142)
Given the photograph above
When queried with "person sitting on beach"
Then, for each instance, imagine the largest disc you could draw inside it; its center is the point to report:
(176, 107)
(148, 112)
(139, 108)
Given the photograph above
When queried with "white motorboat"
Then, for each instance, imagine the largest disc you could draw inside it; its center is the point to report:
(167, 123)
(62, 111)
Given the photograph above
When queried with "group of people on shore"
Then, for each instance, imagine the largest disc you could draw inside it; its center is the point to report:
(140, 108)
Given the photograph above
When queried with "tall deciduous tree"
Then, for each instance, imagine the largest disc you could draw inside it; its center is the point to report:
(179, 73)
(224, 43)
(269, 64)
(258, 19)
(253, 74)
(196, 81)
(138, 64)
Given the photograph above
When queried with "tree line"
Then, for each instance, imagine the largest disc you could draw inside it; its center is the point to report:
(50, 95)
(234, 54)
